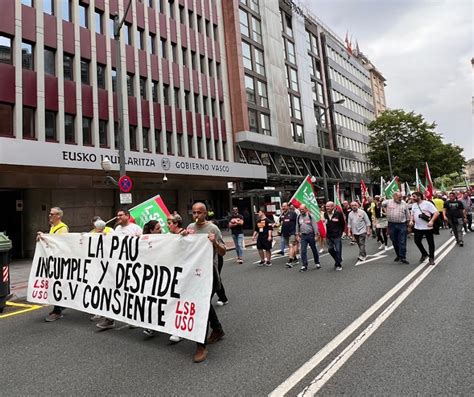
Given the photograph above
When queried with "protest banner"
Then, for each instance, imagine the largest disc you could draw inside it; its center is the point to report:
(153, 208)
(305, 195)
(364, 192)
(160, 282)
(391, 188)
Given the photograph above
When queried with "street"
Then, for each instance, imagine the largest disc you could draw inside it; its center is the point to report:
(378, 328)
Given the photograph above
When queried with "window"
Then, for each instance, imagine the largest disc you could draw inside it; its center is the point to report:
(130, 87)
(27, 60)
(216, 33)
(127, 34)
(28, 3)
(256, 30)
(103, 141)
(218, 71)
(174, 53)
(210, 68)
(67, 11)
(166, 95)
(202, 60)
(158, 141)
(199, 147)
(265, 124)
(182, 15)
(259, 62)
(140, 41)
(319, 93)
(190, 147)
(152, 43)
(169, 144)
(143, 87)
(116, 136)
(69, 134)
(86, 131)
(193, 60)
(114, 80)
(244, 23)
(208, 29)
(50, 126)
(83, 15)
(164, 52)
(288, 25)
(196, 103)
(132, 130)
(49, 62)
(297, 132)
(101, 76)
(191, 19)
(184, 55)
(172, 14)
(290, 52)
(154, 91)
(187, 101)
(68, 63)
(246, 55)
(29, 123)
(199, 23)
(48, 7)
(208, 148)
(179, 142)
(262, 94)
(6, 119)
(99, 22)
(216, 150)
(293, 79)
(177, 98)
(111, 27)
(161, 6)
(146, 139)
(253, 120)
(5, 49)
(295, 104)
(85, 79)
(250, 89)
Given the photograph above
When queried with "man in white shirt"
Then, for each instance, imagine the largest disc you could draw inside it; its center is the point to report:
(423, 216)
(124, 228)
(359, 227)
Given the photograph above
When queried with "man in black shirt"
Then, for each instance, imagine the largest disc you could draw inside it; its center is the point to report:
(288, 230)
(236, 226)
(455, 213)
(335, 225)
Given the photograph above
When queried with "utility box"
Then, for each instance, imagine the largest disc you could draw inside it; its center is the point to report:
(5, 248)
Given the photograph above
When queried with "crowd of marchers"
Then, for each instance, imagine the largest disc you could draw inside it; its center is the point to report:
(379, 218)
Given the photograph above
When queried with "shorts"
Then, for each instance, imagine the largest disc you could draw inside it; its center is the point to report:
(290, 240)
(264, 244)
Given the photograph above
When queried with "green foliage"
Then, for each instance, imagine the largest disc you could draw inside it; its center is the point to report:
(412, 142)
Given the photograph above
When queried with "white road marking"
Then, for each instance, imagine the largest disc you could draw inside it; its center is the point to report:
(309, 365)
(341, 359)
(370, 260)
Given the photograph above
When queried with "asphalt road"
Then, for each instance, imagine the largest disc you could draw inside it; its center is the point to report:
(276, 321)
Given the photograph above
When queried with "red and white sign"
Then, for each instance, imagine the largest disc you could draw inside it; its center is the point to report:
(125, 184)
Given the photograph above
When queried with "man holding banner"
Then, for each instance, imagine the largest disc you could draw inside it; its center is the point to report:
(202, 226)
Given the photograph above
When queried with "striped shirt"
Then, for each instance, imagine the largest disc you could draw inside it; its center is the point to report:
(397, 212)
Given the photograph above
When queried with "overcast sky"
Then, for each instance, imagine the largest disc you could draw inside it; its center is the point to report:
(422, 47)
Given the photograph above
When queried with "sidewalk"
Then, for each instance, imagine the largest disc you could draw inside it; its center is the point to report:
(20, 269)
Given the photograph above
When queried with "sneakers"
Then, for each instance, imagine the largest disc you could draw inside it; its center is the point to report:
(405, 261)
(431, 262)
(397, 259)
(321, 250)
(216, 336)
(461, 243)
(353, 242)
(106, 323)
(304, 269)
(318, 265)
(268, 263)
(386, 248)
(423, 258)
(338, 268)
(222, 303)
(95, 317)
(382, 246)
(53, 317)
(291, 262)
(362, 258)
(175, 339)
(201, 354)
(261, 263)
(240, 261)
(149, 332)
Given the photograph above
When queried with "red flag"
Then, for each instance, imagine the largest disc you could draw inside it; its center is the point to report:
(337, 197)
(348, 43)
(363, 190)
(429, 183)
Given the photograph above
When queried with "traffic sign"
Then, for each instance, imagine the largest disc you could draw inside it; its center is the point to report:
(125, 184)
(125, 198)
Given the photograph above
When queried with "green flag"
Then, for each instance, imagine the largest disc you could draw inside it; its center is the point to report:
(153, 208)
(305, 195)
(392, 188)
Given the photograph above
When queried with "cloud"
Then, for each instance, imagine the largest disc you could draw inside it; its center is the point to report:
(423, 48)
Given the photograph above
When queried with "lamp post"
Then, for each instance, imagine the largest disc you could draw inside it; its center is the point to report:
(320, 139)
(117, 26)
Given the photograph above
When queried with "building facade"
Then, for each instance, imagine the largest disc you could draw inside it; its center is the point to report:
(59, 109)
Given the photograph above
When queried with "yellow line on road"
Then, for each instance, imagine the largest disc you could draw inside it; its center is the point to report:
(27, 308)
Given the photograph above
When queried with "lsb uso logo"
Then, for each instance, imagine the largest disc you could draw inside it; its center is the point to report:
(185, 312)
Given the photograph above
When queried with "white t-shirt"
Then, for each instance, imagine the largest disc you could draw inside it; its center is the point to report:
(428, 208)
(131, 229)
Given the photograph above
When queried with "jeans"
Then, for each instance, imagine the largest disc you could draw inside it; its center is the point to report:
(456, 226)
(360, 240)
(468, 223)
(282, 244)
(398, 235)
(429, 238)
(382, 235)
(239, 244)
(308, 239)
(335, 249)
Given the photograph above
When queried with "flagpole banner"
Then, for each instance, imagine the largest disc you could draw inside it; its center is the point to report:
(153, 208)
(363, 192)
(305, 195)
(161, 282)
(391, 188)
(429, 183)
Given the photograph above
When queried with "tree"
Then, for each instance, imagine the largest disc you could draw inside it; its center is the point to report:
(412, 142)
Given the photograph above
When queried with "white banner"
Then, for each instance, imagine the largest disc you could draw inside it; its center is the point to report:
(161, 282)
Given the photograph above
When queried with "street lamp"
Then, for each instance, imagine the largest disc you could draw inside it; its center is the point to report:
(320, 139)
